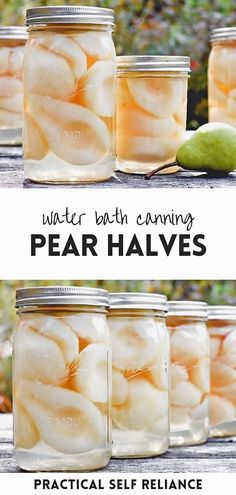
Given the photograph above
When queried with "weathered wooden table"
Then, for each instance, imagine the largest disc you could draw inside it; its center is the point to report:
(217, 455)
(12, 175)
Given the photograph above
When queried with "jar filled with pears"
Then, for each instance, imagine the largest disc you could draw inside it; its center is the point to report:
(222, 331)
(61, 376)
(140, 374)
(12, 44)
(151, 111)
(222, 76)
(189, 372)
(70, 82)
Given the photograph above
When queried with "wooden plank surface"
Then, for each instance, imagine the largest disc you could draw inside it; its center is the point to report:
(12, 175)
(217, 455)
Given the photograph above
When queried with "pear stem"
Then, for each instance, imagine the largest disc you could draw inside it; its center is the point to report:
(159, 169)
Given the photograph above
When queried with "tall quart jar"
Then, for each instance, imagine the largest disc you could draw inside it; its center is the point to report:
(222, 76)
(222, 330)
(140, 359)
(12, 43)
(151, 111)
(61, 379)
(189, 372)
(70, 83)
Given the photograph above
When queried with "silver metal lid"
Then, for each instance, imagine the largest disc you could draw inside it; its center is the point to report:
(221, 312)
(187, 308)
(223, 34)
(13, 33)
(70, 15)
(137, 300)
(153, 63)
(35, 296)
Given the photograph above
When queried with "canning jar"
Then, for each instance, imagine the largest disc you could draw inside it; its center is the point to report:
(12, 43)
(222, 330)
(140, 359)
(70, 69)
(189, 372)
(222, 76)
(61, 379)
(151, 111)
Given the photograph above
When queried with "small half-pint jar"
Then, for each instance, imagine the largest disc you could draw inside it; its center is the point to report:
(69, 95)
(222, 331)
(222, 76)
(61, 376)
(151, 111)
(189, 372)
(140, 374)
(12, 44)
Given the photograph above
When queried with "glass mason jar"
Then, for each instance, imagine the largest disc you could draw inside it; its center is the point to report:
(69, 95)
(12, 43)
(222, 76)
(61, 370)
(222, 330)
(151, 111)
(189, 372)
(140, 359)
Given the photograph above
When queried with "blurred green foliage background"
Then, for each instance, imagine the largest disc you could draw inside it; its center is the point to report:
(156, 27)
(213, 292)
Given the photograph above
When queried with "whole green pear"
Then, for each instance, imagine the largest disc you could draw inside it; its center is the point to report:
(211, 149)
